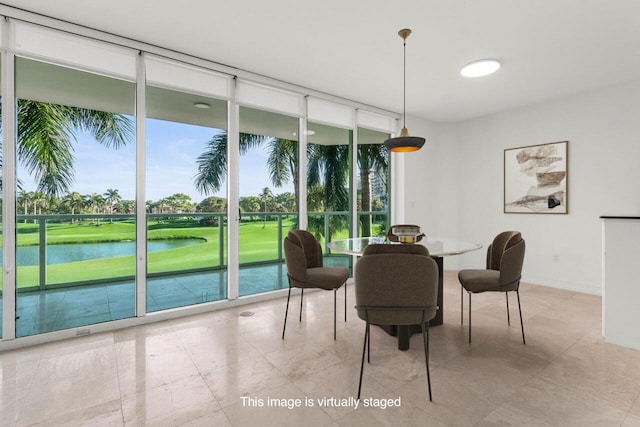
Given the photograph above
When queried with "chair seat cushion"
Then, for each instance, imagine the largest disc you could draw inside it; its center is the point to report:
(480, 280)
(327, 277)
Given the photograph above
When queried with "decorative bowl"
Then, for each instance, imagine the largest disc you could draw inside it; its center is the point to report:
(407, 233)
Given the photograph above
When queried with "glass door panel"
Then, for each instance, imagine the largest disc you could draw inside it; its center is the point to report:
(373, 183)
(328, 187)
(1, 219)
(268, 197)
(186, 143)
(75, 209)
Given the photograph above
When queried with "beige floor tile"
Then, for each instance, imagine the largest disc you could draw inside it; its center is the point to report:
(304, 361)
(502, 416)
(278, 409)
(339, 382)
(248, 377)
(378, 415)
(85, 363)
(202, 370)
(187, 399)
(108, 414)
(216, 418)
(132, 348)
(213, 353)
(11, 402)
(155, 370)
(53, 399)
(557, 405)
(597, 371)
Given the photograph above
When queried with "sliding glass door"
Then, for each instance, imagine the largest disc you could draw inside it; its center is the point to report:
(268, 196)
(373, 183)
(186, 202)
(75, 206)
(329, 195)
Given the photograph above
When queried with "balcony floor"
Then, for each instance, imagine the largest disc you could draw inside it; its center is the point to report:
(69, 307)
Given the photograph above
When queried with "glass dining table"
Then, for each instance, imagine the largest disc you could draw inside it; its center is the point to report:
(439, 247)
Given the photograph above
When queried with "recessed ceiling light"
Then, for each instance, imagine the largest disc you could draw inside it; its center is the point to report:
(480, 68)
(308, 133)
(202, 105)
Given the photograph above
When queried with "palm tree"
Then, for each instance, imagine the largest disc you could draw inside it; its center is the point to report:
(25, 199)
(212, 164)
(75, 202)
(329, 168)
(111, 197)
(372, 158)
(265, 197)
(96, 201)
(46, 133)
(283, 163)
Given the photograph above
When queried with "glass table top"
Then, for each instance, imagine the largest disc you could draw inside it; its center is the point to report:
(438, 246)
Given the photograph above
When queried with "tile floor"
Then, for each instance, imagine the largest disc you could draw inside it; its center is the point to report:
(208, 370)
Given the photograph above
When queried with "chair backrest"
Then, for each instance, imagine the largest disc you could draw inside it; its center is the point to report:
(396, 276)
(310, 246)
(395, 249)
(506, 254)
(295, 261)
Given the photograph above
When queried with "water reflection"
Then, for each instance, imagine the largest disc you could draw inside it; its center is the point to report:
(60, 254)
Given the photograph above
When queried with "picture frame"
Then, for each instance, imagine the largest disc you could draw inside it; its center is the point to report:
(536, 178)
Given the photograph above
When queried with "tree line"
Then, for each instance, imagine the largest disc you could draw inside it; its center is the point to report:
(47, 133)
(110, 202)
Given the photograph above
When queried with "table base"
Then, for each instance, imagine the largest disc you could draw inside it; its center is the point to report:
(404, 332)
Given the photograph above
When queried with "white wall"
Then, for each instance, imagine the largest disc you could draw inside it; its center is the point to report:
(460, 176)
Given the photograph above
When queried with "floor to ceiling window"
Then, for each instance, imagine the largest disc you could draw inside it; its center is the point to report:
(186, 142)
(226, 170)
(75, 254)
(268, 169)
(373, 183)
(1, 219)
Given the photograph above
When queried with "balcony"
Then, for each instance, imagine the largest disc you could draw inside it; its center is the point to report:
(77, 270)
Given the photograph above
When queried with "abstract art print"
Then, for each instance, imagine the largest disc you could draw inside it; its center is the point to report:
(535, 178)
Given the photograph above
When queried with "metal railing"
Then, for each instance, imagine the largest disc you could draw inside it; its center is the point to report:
(206, 219)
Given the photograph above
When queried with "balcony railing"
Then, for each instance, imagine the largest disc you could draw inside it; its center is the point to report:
(46, 231)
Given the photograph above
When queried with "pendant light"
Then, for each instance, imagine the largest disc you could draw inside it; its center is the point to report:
(404, 142)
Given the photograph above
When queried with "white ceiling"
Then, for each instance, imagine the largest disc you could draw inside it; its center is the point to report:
(548, 48)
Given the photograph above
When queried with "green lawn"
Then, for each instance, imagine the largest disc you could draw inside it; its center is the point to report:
(258, 241)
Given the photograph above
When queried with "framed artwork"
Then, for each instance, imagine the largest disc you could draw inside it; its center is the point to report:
(535, 179)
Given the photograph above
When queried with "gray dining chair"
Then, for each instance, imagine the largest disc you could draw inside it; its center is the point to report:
(396, 285)
(303, 258)
(503, 271)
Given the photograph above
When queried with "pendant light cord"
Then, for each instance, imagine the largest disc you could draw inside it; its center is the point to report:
(404, 85)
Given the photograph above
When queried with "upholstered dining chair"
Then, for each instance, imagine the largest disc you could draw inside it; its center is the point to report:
(505, 257)
(303, 258)
(396, 285)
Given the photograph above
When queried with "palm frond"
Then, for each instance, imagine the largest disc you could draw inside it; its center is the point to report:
(212, 165)
(112, 130)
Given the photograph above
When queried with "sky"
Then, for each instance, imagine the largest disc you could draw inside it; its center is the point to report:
(172, 150)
